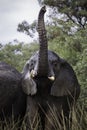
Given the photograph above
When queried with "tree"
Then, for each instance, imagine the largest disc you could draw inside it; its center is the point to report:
(27, 28)
(76, 10)
(17, 55)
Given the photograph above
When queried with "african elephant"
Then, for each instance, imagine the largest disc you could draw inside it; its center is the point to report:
(12, 98)
(50, 84)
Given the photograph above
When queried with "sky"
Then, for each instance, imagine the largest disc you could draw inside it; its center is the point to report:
(13, 12)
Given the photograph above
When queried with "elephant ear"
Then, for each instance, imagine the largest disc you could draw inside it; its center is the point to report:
(28, 84)
(66, 82)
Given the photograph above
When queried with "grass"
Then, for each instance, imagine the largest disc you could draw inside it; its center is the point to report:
(79, 121)
(79, 118)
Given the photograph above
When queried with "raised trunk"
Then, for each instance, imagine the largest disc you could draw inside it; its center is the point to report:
(43, 50)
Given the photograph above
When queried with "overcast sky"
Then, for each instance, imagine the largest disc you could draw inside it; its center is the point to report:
(13, 12)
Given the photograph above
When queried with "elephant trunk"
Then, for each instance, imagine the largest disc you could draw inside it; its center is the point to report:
(43, 50)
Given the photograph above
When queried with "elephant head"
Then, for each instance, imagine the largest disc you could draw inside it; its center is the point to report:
(48, 65)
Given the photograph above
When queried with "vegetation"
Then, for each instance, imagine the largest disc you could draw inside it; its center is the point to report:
(17, 54)
(68, 39)
(79, 121)
(71, 47)
(75, 10)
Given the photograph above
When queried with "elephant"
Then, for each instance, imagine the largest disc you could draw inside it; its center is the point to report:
(50, 84)
(12, 97)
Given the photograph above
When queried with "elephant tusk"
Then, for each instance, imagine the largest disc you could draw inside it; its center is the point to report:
(51, 78)
(32, 74)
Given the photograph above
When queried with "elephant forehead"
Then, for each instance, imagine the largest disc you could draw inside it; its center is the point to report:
(52, 56)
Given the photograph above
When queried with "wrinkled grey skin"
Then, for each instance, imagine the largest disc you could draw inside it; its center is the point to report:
(50, 84)
(12, 98)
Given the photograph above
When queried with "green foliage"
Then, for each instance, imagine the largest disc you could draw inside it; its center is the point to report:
(17, 55)
(27, 28)
(76, 8)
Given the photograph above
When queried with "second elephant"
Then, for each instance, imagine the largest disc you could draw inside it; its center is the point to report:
(12, 98)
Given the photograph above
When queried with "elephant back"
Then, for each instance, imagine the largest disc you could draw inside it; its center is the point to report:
(9, 84)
